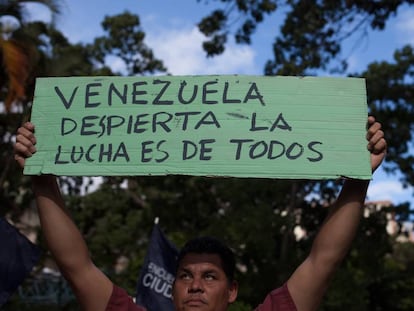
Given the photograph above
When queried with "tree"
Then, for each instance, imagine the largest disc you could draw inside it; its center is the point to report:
(51, 54)
(311, 37)
(54, 55)
(310, 41)
(390, 92)
(124, 39)
(21, 44)
(246, 14)
(117, 219)
(17, 51)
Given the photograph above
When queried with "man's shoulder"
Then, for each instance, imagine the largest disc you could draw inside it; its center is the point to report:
(121, 301)
(278, 300)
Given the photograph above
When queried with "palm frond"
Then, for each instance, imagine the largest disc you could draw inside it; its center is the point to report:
(16, 65)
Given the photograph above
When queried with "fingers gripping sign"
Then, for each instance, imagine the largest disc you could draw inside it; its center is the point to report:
(377, 144)
(25, 143)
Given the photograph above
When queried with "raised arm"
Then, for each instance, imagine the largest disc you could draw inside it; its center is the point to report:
(309, 282)
(92, 288)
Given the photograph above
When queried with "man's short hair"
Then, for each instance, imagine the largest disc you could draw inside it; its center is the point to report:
(210, 245)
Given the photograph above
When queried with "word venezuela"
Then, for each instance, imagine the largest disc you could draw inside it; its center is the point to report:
(167, 125)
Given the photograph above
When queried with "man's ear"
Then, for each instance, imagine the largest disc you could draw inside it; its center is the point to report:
(233, 290)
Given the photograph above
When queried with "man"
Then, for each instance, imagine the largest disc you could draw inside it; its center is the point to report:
(204, 280)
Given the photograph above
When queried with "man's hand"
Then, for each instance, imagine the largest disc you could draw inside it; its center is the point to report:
(25, 143)
(377, 144)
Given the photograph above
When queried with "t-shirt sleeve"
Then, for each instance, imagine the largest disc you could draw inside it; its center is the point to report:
(121, 301)
(278, 300)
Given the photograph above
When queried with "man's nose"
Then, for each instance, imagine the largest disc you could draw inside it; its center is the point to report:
(196, 286)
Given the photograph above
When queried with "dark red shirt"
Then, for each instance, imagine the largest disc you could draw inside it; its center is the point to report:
(120, 301)
(277, 300)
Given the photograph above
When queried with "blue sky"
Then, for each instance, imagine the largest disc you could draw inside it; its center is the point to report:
(171, 32)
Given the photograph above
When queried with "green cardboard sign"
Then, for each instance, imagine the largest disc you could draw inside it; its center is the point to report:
(242, 126)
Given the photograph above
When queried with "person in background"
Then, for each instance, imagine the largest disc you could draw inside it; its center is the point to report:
(204, 279)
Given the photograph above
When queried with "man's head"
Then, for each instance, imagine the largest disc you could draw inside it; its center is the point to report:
(205, 276)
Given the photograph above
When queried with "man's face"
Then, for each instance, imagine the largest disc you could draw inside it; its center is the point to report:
(201, 284)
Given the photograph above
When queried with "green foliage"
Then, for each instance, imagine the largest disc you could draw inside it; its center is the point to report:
(374, 276)
(314, 44)
(390, 88)
(239, 306)
(311, 33)
(246, 14)
(255, 217)
(51, 54)
(17, 10)
(124, 39)
(113, 226)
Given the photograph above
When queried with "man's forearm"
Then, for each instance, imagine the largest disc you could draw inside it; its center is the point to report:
(63, 237)
(339, 229)
(309, 282)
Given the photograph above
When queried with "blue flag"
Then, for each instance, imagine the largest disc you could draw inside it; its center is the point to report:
(154, 288)
(17, 258)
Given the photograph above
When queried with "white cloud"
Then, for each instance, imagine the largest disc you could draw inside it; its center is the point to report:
(354, 63)
(404, 26)
(37, 12)
(389, 190)
(182, 53)
(116, 64)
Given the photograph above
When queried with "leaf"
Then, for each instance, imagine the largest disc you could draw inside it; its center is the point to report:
(16, 66)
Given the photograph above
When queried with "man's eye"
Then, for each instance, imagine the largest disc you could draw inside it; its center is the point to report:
(210, 277)
(184, 276)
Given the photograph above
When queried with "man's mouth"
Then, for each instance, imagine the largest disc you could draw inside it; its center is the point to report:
(195, 301)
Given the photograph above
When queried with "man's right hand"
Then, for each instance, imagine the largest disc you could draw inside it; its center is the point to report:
(25, 143)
